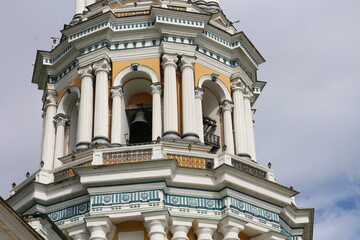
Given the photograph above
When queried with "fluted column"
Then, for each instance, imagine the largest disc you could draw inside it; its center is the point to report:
(60, 121)
(249, 123)
(170, 97)
(231, 228)
(199, 93)
(99, 228)
(205, 230)
(180, 228)
(240, 133)
(226, 108)
(117, 111)
(85, 120)
(48, 144)
(156, 110)
(188, 99)
(101, 115)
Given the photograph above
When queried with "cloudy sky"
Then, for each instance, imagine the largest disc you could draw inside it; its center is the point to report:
(307, 120)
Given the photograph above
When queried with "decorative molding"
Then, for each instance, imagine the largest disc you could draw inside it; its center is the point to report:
(70, 212)
(199, 92)
(156, 88)
(63, 73)
(117, 91)
(177, 21)
(226, 105)
(51, 61)
(125, 198)
(187, 62)
(171, 59)
(102, 65)
(86, 71)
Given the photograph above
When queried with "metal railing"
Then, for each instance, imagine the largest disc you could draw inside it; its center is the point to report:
(249, 169)
(127, 156)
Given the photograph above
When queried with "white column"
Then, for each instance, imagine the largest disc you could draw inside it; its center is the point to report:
(117, 111)
(249, 123)
(231, 228)
(85, 120)
(170, 97)
(79, 7)
(226, 107)
(205, 230)
(101, 115)
(60, 121)
(99, 228)
(156, 110)
(270, 236)
(188, 99)
(156, 225)
(199, 93)
(180, 228)
(239, 120)
(48, 144)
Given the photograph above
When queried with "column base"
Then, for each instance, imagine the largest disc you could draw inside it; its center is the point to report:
(100, 140)
(170, 135)
(244, 155)
(191, 137)
(82, 146)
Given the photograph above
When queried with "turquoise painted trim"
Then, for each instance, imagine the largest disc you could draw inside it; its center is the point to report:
(197, 189)
(48, 61)
(232, 45)
(230, 63)
(290, 237)
(254, 210)
(179, 21)
(194, 202)
(63, 73)
(70, 212)
(125, 198)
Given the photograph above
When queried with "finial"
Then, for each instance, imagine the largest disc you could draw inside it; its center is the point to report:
(27, 175)
(42, 164)
(13, 185)
(269, 165)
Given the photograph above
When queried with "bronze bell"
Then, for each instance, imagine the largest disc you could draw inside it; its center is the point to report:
(139, 118)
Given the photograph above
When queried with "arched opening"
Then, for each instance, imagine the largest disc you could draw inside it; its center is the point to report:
(136, 114)
(214, 93)
(138, 108)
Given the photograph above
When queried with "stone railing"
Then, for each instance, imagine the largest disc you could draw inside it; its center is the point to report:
(249, 169)
(68, 173)
(127, 156)
(212, 139)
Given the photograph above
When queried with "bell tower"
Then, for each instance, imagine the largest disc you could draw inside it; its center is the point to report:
(148, 129)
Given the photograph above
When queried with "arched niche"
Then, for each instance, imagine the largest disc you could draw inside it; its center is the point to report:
(215, 92)
(68, 106)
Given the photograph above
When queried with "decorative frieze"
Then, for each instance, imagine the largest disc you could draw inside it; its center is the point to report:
(249, 169)
(51, 61)
(70, 212)
(178, 21)
(127, 156)
(125, 198)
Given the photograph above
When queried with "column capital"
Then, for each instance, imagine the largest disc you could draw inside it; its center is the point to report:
(187, 61)
(99, 227)
(231, 227)
(78, 232)
(117, 91)
(169, 59)
(199, 92)
(156, 88)
(102, 65)
(237, 85)
(248, 94)
(226, 105)
(61, 119)
(86, 71)
(50, 100)
(204, 229)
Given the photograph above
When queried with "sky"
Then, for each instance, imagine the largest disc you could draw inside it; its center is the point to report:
(307, 119)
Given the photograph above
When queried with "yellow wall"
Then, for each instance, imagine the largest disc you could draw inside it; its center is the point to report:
(191, 235)
(200, 71)
(243, 236)
(76, 83)
(139, 98)
(130, 227)
(153, 63)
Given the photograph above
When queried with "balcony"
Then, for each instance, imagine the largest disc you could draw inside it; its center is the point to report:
(212, 139)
